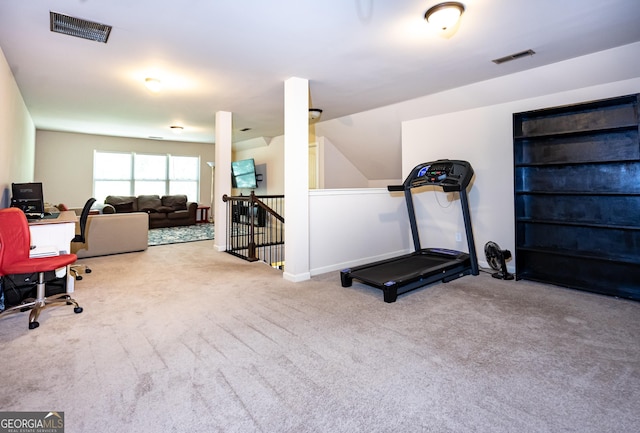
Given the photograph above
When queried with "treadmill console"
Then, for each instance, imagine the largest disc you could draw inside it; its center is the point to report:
(450, 175)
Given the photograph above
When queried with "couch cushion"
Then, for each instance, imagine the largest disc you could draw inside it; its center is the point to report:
(157, 216)
(122, 203)
(178, 215)
(149, 203)
(176, 202)
(124, 207)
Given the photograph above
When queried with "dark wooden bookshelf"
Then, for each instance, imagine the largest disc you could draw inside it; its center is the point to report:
(577, 196)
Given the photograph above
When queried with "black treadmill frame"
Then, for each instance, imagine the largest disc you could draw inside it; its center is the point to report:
(454, 264)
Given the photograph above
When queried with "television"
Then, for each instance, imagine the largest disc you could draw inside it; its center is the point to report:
(243, 174)
(28, 197)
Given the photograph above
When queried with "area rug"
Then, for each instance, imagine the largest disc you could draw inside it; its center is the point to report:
(175, 235)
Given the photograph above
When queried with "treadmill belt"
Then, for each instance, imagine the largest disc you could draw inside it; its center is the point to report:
(403, 268)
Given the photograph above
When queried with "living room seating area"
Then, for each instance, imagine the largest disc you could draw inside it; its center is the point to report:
(165, 211)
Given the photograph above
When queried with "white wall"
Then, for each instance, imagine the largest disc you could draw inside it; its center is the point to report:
(64, 162)
(371, 140)
(337, 170)
(351, 227)
(486, 142)
(472, 123)
(271, 154)
(381, 125)
(17, 135)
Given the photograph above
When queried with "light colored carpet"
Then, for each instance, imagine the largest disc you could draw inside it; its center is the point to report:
(181, 338)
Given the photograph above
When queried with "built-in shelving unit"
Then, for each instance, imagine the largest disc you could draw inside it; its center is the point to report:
(577, 196)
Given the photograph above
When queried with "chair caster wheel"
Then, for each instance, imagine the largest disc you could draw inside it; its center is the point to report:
(33, 325)
(79, 277)
(88, 271)
(77, 310)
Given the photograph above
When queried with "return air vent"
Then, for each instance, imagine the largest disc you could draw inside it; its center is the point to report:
(79, 28)
(515, 56)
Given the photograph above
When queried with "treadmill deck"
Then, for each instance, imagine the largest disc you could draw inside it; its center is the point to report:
(410, 271)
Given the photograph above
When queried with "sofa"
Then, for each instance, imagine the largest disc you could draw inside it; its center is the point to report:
(165, 211)
(113, 234)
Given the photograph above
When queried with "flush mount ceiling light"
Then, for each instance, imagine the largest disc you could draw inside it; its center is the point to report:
(444, 15)
(153, 84)
(314, 113)
(60, 23)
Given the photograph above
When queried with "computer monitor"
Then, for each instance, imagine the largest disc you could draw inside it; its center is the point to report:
(28, 197)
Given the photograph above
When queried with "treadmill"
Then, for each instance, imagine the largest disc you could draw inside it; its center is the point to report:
(424, 266)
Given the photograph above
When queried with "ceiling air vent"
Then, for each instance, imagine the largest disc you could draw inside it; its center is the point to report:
(515, 56)
(79, 28)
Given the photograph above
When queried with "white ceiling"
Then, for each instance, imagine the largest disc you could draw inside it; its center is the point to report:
(234, 55)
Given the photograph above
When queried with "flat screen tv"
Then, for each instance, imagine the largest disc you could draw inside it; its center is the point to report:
(28, 197)
(243, 174)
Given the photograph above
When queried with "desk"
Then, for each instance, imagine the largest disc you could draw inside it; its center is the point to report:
(56, 232)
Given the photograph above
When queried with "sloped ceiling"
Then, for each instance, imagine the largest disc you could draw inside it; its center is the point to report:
(235, 55)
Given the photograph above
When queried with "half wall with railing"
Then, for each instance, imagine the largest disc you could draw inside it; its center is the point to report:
(255, 228)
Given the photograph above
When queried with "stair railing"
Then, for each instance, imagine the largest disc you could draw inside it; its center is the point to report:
(255, 228)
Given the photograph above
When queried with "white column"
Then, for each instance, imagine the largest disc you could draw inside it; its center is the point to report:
(296, 179)
(222, 184)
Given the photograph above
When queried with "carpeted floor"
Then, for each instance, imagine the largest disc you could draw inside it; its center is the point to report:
(182, 338)
(176, 235)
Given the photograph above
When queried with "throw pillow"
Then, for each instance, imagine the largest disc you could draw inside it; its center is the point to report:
(123, 207)
(148, 202)
(176, 202)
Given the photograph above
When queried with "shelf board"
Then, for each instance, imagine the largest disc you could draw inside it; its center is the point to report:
(579, 193)
(578, 224)
(589, 255)
(583, 106)
(576, 132)
(565, 163)
(603, 287)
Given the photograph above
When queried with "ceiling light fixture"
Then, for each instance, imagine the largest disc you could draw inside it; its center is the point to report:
(314, 113)
(444, 15)
(153, 84)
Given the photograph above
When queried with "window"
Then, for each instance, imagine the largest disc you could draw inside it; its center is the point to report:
(140, 174)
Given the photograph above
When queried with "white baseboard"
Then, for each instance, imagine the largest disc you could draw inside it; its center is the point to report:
(364, 261)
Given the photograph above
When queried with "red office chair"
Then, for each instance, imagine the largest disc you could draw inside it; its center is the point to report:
(15, 244)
